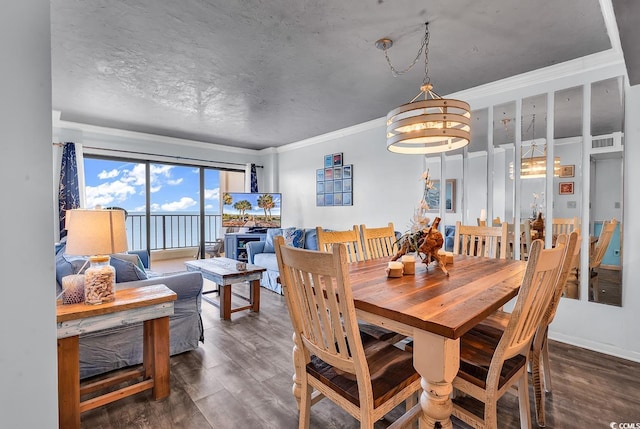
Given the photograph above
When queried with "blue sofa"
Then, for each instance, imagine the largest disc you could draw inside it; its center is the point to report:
(263, 254)
(114, 348)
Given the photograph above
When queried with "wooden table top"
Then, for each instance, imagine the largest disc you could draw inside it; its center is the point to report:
(126, 299)
(223, 267)
(431, 300)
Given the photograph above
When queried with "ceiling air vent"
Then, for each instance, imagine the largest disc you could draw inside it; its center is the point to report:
(602, 142)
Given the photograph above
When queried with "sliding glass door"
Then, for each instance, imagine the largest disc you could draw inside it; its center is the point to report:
(169, 206)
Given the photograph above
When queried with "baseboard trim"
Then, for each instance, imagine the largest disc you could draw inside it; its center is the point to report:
(596, 346)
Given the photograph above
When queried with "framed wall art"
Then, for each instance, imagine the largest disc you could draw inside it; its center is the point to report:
(334, 182)
(567, 170)
(565, 188)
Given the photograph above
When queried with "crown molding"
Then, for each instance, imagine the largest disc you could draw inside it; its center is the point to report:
(146, 137)
(323, 138)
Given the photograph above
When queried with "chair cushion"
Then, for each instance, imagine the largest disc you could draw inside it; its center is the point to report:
(391, 371)
(476, 350)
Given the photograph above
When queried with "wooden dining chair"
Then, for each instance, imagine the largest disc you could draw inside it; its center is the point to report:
(595, 259)
(494, 361)
(350, 238)
(490, 241)
(525, 242)
(379, 242)
(496, 323)
(366, 377)
(564, 225)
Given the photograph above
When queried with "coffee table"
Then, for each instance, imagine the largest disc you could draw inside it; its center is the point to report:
(223, 272)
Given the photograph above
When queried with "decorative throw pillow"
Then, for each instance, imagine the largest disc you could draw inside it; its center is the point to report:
(294, 237)
(274, 232)
(126, 271)
(268, 244)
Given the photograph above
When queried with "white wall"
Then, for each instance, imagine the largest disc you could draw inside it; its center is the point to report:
(386, 186)
(28, 370)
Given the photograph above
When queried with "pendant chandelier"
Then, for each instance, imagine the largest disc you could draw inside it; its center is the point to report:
(534, 161)
(428, 123)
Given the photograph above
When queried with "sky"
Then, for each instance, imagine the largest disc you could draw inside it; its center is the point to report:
(173, 188)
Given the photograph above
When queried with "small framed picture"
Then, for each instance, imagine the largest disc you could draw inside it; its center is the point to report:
(320, 200)
(566, 188)
(328, 161)
(319, 187)
(346, 199)
(567, 171)
(328, 174)
(337, 159)
(337, 199)
(346, 171)
(328, 199)
(319, 175)
(337, 173)
(346, 185)
(337, 186)
(328, 187)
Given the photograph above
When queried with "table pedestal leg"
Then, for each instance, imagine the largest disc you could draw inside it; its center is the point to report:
(69, 382)
(437, 359)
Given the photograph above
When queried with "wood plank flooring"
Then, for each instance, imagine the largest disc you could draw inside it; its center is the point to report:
(241, 378)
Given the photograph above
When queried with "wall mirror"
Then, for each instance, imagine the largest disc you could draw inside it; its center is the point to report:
(568, 185)
(583, 134)
(606, 190)
(533, 198)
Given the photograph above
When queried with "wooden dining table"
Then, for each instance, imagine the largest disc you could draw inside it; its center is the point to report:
(435, 309)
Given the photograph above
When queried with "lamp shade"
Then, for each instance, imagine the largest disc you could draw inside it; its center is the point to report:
(95, 232)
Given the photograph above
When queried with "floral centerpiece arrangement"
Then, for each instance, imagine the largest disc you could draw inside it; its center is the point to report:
(423, 239)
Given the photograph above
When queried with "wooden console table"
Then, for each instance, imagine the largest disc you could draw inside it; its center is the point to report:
(151, 305)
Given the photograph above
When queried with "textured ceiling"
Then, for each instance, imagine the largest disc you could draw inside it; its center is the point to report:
(257, 74)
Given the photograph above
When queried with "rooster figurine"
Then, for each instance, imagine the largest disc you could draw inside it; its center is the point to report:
(425, 243)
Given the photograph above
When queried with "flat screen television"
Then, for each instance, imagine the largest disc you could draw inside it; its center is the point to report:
(255, 210)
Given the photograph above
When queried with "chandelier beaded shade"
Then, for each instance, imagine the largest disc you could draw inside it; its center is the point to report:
(428, 123)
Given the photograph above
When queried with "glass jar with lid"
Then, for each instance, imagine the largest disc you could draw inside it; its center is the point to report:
(99, 281)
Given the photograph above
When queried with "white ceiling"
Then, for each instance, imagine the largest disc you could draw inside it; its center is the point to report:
(257, 74)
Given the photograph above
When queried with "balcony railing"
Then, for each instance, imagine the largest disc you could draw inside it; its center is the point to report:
(171, 231)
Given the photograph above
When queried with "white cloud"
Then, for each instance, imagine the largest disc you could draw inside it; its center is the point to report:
(104, 174)
(153, 189)
(212, 194)
(107, 193)
(175, 182)
(182, 204)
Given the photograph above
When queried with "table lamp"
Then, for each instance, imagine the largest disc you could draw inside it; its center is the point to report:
(97, 234)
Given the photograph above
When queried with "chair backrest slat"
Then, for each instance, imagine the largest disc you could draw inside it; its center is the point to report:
(564, 225)
(350, 238)
(608, 227)
(318, 293)
(379, 242)
(488, 241)
(538, 286)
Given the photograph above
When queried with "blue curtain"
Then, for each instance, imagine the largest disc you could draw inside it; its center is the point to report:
(68, 191)
(254, 179)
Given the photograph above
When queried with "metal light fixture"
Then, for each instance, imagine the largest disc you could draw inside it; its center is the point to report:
(429, 125)
(534, 161)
